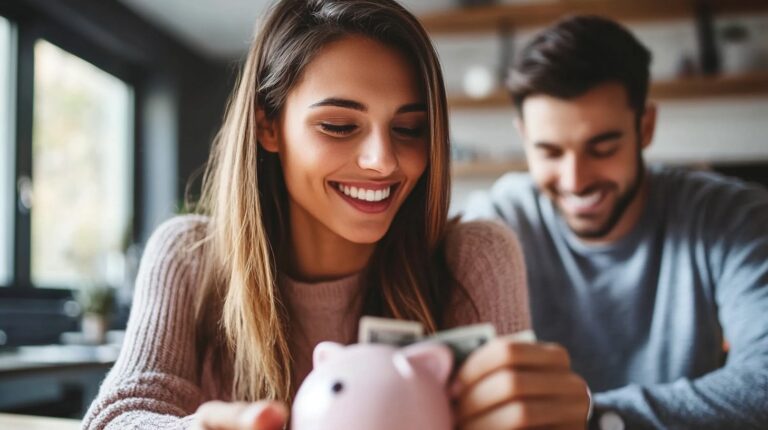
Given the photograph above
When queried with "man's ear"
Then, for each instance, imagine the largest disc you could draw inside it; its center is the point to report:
(519, 124)
(648, 125)
(266, 131)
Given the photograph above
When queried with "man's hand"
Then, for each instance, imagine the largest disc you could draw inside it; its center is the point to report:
(511, 385)
(261, 415)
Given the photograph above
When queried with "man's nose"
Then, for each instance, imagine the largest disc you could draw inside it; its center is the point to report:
(574, 174)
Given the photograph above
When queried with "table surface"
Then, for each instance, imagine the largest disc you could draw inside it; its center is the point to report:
(37, 358)
(27, 422)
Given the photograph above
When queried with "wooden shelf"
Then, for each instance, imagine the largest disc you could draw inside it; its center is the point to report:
(755, 83)
(486, 169)
(489, 18)
(752, 84)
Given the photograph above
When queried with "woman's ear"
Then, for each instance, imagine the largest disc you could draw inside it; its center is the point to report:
(266, 131)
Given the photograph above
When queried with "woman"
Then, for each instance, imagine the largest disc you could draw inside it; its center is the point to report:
(325, 199)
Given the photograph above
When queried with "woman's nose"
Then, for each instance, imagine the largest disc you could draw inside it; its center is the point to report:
(377, 153)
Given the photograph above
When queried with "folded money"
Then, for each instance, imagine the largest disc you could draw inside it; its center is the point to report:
(461, 340)
(389, 331)
(464, 340)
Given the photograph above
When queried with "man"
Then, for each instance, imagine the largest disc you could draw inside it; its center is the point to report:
(643, 274)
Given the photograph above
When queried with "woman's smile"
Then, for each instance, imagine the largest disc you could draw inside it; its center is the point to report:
(367, 197)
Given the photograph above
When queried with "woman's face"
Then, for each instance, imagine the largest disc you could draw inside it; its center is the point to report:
(353, 139)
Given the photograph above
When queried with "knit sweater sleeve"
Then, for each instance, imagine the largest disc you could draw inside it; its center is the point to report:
(486, 260)
(154, 383)
(733, 234)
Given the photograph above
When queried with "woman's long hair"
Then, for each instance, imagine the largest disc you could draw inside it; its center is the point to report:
(240, 308)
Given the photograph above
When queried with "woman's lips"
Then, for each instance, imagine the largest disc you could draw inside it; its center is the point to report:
(368, 198)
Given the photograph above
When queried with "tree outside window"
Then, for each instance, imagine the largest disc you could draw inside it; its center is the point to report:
(82, 172)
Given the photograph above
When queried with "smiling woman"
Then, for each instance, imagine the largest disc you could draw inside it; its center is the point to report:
(350, 133)
(325, 199)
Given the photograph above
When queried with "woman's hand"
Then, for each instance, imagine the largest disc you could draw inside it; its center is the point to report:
(510, 385)
(263, 415)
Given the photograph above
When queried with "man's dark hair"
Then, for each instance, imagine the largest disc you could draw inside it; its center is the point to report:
(575, 55)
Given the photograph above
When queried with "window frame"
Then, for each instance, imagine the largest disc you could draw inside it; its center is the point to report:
(10, 134)
(28, 27)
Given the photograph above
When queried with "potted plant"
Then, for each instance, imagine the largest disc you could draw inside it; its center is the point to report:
(96, 303)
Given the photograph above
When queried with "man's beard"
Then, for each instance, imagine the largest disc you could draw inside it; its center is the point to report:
(619, 208)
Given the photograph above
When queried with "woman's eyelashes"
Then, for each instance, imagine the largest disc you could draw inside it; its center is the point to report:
(409, 132)
(340, 130)
(345, 130)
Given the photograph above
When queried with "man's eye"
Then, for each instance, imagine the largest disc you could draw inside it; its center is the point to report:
(550, 154)
(602, 151)
(338, 130)
(411, 132)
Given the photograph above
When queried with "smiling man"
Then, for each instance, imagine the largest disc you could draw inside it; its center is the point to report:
(642, 273)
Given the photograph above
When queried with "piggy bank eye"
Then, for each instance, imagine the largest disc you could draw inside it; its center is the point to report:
(337, 387)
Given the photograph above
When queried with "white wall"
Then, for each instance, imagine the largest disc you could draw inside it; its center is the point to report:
(733, 129)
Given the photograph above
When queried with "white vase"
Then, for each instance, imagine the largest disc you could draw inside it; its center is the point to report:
(737, 57)
(94, 328)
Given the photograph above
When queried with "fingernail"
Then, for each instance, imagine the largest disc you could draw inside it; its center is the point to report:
(251, 415)
(273, 415)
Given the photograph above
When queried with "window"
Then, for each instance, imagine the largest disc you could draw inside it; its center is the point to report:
(82, 171)
(6, 152)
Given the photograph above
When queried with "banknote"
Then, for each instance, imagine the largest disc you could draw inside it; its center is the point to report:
(389, 331)
(464, 340)
(522, 336)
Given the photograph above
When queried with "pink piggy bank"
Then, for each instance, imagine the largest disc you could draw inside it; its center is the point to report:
(375, 387)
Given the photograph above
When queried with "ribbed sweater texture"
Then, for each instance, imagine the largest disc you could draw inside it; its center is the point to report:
(158, 381)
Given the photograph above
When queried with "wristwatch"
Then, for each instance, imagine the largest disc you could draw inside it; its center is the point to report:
(609, 420)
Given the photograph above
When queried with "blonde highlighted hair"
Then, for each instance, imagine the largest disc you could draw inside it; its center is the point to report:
(240, 305)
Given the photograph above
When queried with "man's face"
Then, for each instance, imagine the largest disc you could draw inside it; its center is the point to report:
(585, 155)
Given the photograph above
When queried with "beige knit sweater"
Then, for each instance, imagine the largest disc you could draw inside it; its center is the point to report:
(158, 383)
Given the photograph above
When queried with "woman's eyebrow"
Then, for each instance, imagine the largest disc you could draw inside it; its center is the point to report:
(413, 107)
(342, 103)
(351, 104)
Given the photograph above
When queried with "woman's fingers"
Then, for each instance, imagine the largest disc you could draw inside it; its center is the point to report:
(563, 413)
(507, 383)
(501, 353)
(263, 415)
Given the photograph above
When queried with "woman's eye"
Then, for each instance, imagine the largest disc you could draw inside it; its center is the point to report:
(411, 132)
(338, 129)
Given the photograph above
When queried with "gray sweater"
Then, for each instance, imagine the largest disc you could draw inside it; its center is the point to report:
(645, 318)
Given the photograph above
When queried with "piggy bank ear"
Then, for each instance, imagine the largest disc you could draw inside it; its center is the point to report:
(324, 351)
(434, 358)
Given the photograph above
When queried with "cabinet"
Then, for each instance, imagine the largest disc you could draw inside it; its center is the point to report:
(490, 19)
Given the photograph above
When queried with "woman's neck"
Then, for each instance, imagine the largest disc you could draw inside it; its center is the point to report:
(318, 254)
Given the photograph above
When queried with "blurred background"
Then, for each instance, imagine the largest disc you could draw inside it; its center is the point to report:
(108, 108)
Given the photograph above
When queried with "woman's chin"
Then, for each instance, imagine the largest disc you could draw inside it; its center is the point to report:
(364, 236)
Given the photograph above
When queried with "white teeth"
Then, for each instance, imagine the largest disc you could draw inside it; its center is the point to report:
(365, 194)
(583, 201)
